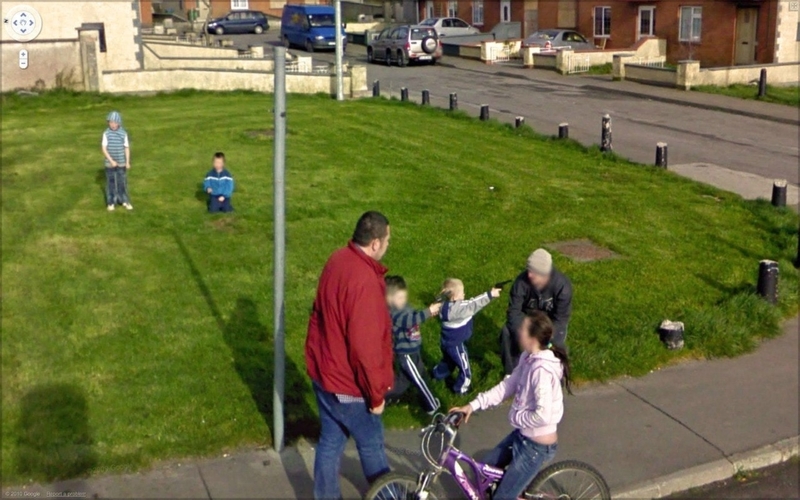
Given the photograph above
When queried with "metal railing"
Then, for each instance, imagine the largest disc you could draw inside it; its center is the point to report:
(653, 62)
(577, 63)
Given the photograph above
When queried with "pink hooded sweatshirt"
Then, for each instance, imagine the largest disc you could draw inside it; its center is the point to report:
(538, 399)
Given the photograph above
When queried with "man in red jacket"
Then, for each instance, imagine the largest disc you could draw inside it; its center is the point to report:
(349, 355)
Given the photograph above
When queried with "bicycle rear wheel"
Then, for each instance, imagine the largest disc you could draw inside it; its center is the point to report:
(568, 480)
(393, 486)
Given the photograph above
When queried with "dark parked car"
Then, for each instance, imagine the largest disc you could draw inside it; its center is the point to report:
(239, 21)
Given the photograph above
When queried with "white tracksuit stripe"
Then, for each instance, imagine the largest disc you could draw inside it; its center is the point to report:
(419, 381)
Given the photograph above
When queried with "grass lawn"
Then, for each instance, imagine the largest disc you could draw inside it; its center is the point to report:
(789, 95)
(132, 337)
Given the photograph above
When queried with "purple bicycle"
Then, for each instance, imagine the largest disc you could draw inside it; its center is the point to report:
(567, 480)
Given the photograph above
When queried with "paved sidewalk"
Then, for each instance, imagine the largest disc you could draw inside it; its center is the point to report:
(633, 430)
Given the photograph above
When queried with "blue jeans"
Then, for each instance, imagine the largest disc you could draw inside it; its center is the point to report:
(116, 186)
(339, 421)
(522, 459)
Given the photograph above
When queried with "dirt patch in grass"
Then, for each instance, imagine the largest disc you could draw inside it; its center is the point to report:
(225, 224)
(260, 134)
(583, 250)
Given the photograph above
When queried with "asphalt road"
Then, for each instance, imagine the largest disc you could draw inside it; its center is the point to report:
(780, 481)
(546, 99)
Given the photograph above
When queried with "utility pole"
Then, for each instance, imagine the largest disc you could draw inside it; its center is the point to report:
(339, 51)
(279, 221)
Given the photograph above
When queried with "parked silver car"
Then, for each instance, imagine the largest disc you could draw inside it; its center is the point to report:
(405, 44)
(557, 40)
(450, 26)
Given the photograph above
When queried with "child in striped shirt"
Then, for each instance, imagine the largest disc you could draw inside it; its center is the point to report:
(407, 342)
(117, 152)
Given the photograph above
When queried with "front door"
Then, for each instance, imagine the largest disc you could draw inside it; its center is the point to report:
(647, 21)
(505, 11)
(746, 22)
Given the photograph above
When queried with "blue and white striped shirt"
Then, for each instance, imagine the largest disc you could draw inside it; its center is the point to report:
(115, 142)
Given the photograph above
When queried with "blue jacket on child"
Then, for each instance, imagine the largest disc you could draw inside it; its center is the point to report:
(221, 183)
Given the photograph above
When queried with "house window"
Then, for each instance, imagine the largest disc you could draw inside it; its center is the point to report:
(505, 11)
(452, 8)
(477, 12)
(691, 22)
(602, 22)
(239, 4)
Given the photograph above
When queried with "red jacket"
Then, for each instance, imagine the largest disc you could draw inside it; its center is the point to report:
(349, 342)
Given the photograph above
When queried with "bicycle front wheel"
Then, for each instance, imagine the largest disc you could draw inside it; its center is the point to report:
(569, 480)
(393, 486)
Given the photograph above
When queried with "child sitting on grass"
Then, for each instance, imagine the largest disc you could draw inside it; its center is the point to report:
(456, 317)
(219, 186)
(408, 342)
(117, 152)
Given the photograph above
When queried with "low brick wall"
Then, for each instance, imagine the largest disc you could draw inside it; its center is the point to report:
(182, 49)
(780, 74)
(664, 77)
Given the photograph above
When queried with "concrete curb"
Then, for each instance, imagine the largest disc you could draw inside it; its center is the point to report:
(718, 470)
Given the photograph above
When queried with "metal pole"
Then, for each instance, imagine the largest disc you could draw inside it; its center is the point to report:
(403, 94)
(279, 215)
(779, 193)
(605, 136)
(453, 101)
(762, 83)
(339, 51)
(661, 155)
(426, 97)
(376, 88)
(519, 121)
(484, 112)
(563, 130)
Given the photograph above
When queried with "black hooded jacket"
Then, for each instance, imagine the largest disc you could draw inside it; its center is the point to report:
(555, 300)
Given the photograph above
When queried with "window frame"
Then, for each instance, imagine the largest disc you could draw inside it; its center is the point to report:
(240, 4)
(696, 12)
(477, 7)
(452, 8)
(606, 16)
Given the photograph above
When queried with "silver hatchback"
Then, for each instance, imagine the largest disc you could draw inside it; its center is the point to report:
(405, 44)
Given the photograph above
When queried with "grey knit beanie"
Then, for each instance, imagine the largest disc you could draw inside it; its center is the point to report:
(540, 262)
(114, 116)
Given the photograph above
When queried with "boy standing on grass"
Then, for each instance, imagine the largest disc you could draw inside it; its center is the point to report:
(407, 342)
(456, 316)
(219, 186)
(117, 152)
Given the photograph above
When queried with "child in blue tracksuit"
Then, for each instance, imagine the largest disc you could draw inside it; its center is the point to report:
(456, 317)
(219, 186)
(407, 343)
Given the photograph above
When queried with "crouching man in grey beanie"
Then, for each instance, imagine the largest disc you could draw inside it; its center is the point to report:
(540, 287)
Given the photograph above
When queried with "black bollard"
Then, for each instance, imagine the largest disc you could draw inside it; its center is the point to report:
(605, 136)
(376, 88)
(762, 83)
(661, 154)
(519, 121)
(426, 97)
(403, 94)
(779, 193)
(768, 281)
(453, 101)
(797, 257)
(563, 130)
(484, 112)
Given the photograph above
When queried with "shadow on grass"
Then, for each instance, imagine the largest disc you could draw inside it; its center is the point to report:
(101, 181)
(54, 438)
(252, 348)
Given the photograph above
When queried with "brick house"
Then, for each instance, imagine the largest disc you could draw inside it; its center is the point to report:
(715, 32)
(483, 14)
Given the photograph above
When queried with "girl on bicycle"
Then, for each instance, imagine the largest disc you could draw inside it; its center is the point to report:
(536, 411)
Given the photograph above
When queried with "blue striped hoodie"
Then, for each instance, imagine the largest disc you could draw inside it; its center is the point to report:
(221, 183)
(405, 328)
